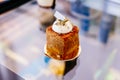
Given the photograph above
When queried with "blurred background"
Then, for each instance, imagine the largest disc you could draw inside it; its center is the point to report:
(23, 36)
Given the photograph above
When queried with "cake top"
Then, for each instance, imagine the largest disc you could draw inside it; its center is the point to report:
(62, 25)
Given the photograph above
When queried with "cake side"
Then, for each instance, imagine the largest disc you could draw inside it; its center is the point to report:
(71, 44)
(55, 43)
(62, 46)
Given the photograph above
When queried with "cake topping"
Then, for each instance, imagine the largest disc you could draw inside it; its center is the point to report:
(62, 24)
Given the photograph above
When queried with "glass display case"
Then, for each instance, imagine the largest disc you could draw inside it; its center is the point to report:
(112, 6)
(22, 51)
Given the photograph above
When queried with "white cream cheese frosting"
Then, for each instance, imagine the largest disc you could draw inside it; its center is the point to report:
(62, 25)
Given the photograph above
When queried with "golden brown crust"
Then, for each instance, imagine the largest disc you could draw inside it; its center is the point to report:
(62, 46)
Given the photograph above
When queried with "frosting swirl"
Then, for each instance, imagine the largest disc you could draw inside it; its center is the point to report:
(62, 26)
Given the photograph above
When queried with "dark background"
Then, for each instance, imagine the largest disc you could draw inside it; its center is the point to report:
(8, 5)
